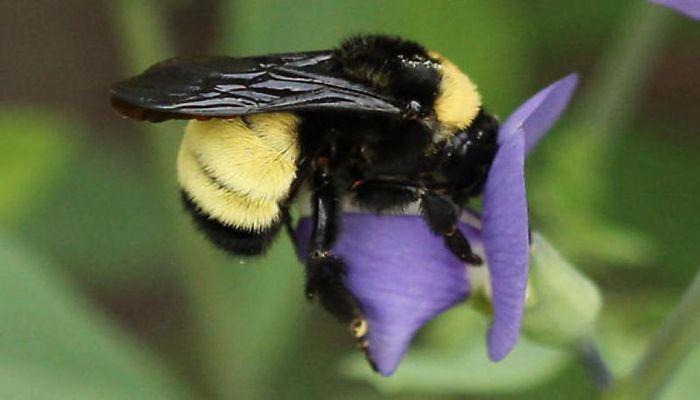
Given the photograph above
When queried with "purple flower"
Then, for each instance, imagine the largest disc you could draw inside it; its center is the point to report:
(690, 8)
(403, 275)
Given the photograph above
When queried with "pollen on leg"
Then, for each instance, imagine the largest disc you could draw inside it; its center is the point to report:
(359, 327)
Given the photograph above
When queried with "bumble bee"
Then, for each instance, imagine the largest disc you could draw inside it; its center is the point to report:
(379, 120)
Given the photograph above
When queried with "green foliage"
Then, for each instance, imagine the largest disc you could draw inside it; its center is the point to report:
(666, 174)
(454, 28)
(54, 345)
(43, 137)
(571, 192)
(620, 200)
(454, 364)
(106, 198)
(685, 385)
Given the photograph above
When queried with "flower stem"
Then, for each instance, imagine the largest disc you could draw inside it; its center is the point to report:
(674, 341)
(592, 359)
(620, 80)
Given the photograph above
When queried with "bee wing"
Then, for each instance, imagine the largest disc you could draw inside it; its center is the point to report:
(223, 87)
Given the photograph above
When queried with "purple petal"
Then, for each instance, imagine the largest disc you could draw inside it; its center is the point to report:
(690, 8)
(505, 220)
(540, 112)
(401, 274)
(505, 236)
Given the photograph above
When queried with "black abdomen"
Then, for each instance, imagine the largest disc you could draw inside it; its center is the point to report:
(234, 240)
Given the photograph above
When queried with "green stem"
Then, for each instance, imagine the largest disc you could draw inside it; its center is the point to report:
(622, 75)
(675, 340)
(594, 363)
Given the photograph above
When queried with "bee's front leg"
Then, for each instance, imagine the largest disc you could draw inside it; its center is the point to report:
(439, 210)
(325, 271)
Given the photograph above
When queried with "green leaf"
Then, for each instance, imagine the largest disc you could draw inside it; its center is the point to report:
(35, 145)
(54, 345)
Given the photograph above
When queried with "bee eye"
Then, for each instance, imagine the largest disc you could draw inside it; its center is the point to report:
(413, 108)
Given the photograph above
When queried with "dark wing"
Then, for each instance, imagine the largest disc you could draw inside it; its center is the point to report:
(221, 87)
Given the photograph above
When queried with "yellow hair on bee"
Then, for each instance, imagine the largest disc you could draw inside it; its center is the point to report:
(458, 102)
(255, 155)
(226, 206)
(238, 170)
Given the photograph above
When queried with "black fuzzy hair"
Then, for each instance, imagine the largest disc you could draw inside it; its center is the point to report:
(233, 240)
(401, 68)
(379, 47)
(378, 197)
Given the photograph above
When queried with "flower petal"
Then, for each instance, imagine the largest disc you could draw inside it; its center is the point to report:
(690, 8)
(540, 112)
(505, 237)
(401, 274)
(505, 220)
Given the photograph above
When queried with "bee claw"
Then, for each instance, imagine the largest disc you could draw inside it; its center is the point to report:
(358, 327)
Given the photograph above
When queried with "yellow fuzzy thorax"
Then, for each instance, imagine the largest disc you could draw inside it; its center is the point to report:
(238, 170)
(458, 101)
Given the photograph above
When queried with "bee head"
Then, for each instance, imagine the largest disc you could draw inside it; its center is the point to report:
(438, 94)
(433, 88)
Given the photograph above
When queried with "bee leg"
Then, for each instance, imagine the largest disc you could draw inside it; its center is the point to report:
(442, 215)
(325, 281)
(379, 195)
(325, 272)
(440, 211)
(288, 222)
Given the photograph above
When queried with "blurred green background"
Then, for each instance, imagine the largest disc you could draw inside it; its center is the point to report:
(107, 292)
